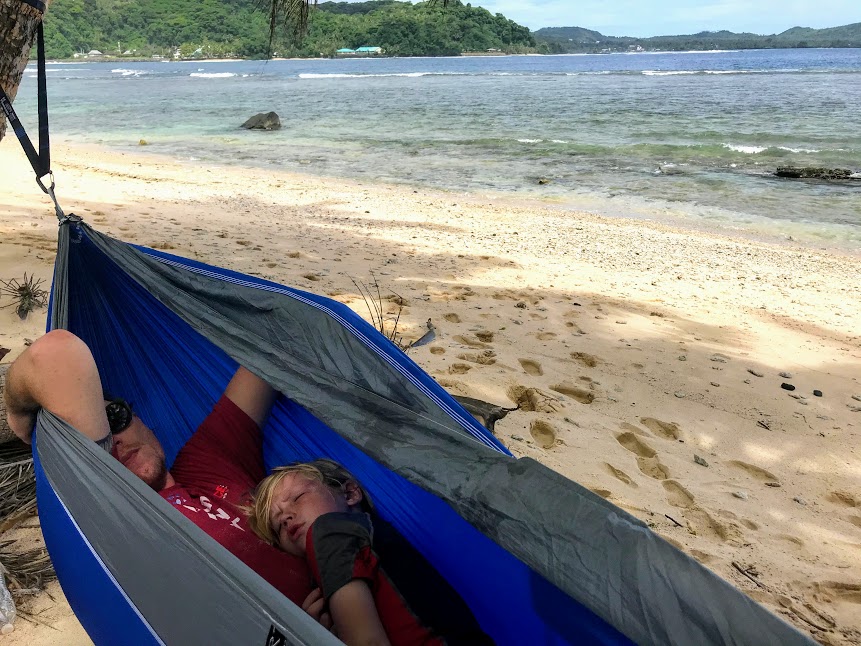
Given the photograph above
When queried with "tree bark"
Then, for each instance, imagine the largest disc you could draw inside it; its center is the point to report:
(18, 22)
(6, 433)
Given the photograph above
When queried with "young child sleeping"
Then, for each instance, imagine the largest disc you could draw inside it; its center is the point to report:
(378, 588)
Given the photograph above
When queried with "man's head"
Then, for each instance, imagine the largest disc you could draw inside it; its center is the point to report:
(138, 450)
(288, 501)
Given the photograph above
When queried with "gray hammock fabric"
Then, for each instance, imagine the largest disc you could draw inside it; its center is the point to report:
(596, 553)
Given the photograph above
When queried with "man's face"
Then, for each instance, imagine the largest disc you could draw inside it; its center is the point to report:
(138, 450)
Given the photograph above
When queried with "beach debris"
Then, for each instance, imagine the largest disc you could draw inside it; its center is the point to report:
(263, 121)
(683, 358)
(817, 393)
(740, 494)
(764, 425)
(785, 375)
(543, 180)
(675, 522)
(813, 172)
(679, 394)
(755, 373)
(801, 501)
(787, 386)
(486, 413)
(143, 142)
(747, 381)
(700, 461)
(772, 484)
(27, 294)
(521, 305)
(715, 384)
(28, 342)
(517, 438)
(718, 358)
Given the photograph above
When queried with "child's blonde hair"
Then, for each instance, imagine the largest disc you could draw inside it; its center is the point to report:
(329, 472)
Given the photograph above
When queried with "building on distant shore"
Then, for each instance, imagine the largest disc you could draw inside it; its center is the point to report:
(361, 51)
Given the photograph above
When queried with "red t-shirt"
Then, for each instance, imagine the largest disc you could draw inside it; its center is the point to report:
(215, 472)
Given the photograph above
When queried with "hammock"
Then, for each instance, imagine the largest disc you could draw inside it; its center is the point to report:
(538, 558)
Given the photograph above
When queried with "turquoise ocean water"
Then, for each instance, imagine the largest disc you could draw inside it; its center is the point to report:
(680, 136)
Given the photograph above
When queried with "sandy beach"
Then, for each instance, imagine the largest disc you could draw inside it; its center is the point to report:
(647, 360)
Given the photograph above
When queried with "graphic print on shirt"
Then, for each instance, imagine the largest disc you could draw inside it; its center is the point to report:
(215, 513)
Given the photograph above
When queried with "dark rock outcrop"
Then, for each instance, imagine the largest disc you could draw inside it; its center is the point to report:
(263, 121)
(812, 172)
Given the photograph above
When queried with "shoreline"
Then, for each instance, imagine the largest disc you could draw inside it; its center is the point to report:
(625, 207)
(643, 344)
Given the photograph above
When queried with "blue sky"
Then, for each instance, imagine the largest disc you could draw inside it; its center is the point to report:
(665, 17)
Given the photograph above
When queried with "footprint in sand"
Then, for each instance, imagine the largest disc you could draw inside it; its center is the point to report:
(653, 468)
(532, 400)
(437, 350)
(677, 495)
(850, 592)
(452, 318)
(546, 336)
(789, 538)
(666, 430)
(459, 368)
(757, 472)
(625, 426)
(855, 520)
(620, 475)
(531, 367)
(486, 358)
(472, 344)
(579, 394)
(587, 360)
(543, 433)
(702, 523)
(635, 445)
(844, 498)
(484, 335)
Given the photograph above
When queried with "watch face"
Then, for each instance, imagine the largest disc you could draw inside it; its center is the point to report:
(119, 413)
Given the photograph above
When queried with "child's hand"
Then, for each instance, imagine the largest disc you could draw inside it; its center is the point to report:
(315, 605)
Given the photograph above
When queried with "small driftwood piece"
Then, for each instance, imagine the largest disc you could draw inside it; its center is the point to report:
(486, 413)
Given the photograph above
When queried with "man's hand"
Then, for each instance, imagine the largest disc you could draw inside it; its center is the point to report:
(315, 605)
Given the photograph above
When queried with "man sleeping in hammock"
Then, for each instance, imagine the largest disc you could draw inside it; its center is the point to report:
(377, 588)
(213, 474)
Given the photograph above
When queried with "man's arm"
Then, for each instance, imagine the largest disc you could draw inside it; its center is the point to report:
(251, 394)
(57, 373)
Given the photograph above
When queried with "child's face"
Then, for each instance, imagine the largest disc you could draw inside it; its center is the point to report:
(297, 502)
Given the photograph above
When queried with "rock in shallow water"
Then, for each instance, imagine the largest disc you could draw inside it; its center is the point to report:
(263, 121)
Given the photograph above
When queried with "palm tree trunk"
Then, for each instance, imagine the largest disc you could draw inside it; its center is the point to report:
(18, 22)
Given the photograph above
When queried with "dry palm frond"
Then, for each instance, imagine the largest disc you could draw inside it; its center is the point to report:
(27, 294)
(27, 570)
(374, 302)
(17, 484)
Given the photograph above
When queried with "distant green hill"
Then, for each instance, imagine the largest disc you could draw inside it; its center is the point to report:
(234, 28)
(577, 39)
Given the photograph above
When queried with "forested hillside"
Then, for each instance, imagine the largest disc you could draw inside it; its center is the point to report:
(561, 40)
(224, 28)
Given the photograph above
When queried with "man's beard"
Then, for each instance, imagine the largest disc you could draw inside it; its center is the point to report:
(158, 479)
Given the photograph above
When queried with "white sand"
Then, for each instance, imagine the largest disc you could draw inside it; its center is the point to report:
(632, 342)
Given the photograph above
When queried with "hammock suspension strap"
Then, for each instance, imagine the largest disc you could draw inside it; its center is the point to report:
(41, 160)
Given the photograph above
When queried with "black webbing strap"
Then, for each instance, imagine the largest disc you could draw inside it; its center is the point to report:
(41, 161)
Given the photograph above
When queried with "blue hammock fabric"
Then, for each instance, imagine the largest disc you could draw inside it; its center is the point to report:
(173, 376)
(566, 568)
